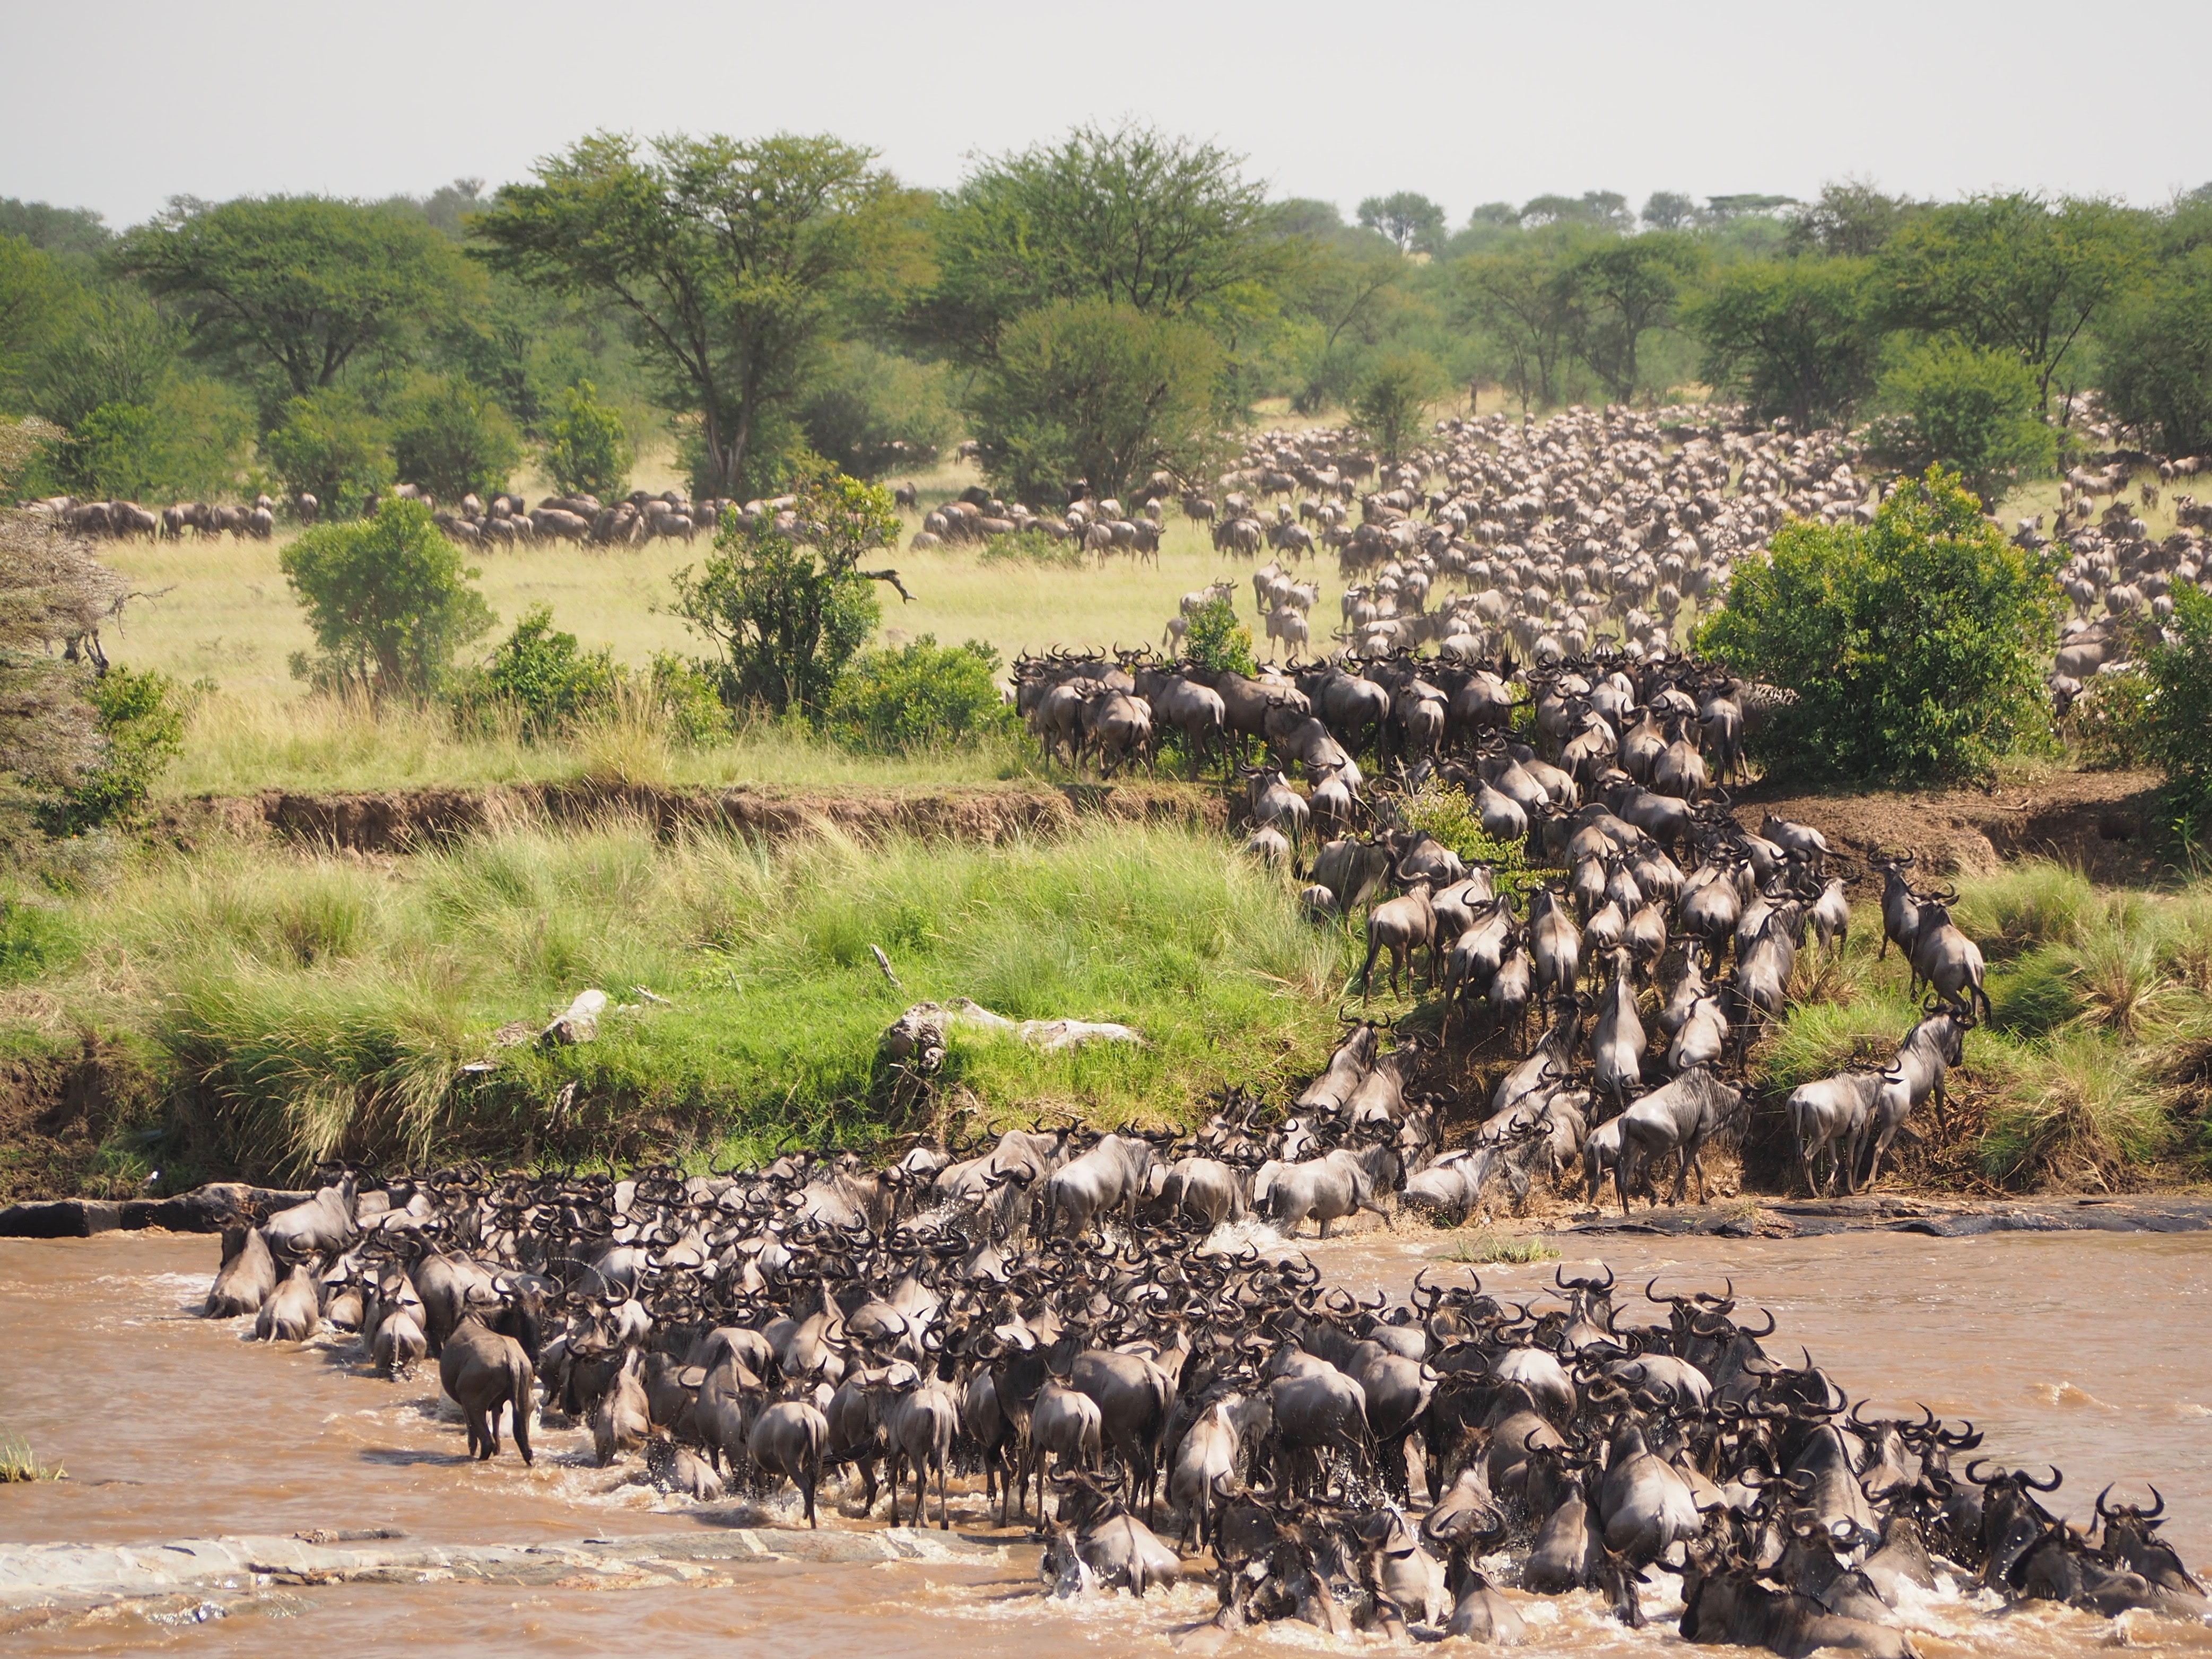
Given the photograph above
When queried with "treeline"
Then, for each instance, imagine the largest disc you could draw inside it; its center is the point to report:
(1094, 309)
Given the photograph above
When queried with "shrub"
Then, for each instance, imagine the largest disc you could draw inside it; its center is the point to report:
(687, 700)
(545, 676)
(1977, 412)
(789, 609)
(1217, 643)
(2111, 722)
(1446, 813)
(330, 447)
(390, 601)
(2179, 670)
(1915, 645)
(1391, 402)
(454, 439)
(919, 695)
(142, 730)
(587, 447)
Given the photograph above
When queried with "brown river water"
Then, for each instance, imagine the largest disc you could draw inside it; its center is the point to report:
(2092, 1350)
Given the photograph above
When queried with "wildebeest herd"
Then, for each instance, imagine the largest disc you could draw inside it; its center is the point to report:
(1057, 1312)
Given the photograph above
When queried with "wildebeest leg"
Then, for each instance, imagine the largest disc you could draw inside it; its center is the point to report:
(521, 1401)
(944, 1516)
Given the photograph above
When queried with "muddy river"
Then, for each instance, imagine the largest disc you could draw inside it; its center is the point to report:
(2092, 1350)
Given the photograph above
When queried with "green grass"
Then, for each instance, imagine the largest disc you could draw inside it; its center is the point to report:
(308, 1007)
(1484, 1248)
(2095, 1065)
(239, 744)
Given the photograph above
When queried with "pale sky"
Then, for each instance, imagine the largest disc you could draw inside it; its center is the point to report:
(118, 104)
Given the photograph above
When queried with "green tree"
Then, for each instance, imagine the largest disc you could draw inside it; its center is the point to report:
(2158, 356)
(1916, 645)
(1850, 220)
(1977, 412)
(869, 411)
(75, 234)
(1131, 217)
(2179, 669)
(733, 262)
(2010, 273)
(328, 445)
(902, 700)
(1391, 402)
(1595, 209)
(1618, 292)
(788, 609)
(1793, 338)
(1099, 392)
(388, 601)
(1517, 300)
(1408, 218)
(52, 591)
(140, 720)
(587, 447)
(1669, 210)
(302, 285)
(454, 439)
(37, 301)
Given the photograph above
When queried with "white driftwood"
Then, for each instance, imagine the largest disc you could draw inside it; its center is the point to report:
(580, 1022)
(918, 1036)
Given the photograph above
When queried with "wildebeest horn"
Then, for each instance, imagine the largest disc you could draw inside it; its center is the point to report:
(2057, 1478)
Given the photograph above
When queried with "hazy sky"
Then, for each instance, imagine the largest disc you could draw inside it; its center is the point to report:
(117, 105)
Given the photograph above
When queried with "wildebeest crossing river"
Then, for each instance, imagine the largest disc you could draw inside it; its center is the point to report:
(2089, 1350)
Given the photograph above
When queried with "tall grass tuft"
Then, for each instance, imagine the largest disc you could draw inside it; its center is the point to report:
(18, 1465)
(2076, 1109)
(2034, 902)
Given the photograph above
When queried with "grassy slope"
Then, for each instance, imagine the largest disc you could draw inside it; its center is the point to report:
(2096, 1066)
(302, 1006)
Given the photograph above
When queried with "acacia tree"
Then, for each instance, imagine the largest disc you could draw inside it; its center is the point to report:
(1408, 218)
(1517, 300)
(1618, 291)
(2010, 273)
(301, 284)
(1793, 338)
(1132, 217)
(733, 261)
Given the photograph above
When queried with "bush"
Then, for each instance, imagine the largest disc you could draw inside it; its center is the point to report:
(2179, 670)
(329, 445)
(687, 700)
(587, 447)
(1446, 813)
(142, 730)
(789, 611)
(189, 441)
(390, 601)
(869, 411)
(1217, 643)
(2110, 723)
(1390, 403)
(1977, 412)
(919, 695)
(545, 677)
(454, 439)
(1915, 645)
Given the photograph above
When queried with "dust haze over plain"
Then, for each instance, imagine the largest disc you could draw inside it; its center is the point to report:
(117, 106)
